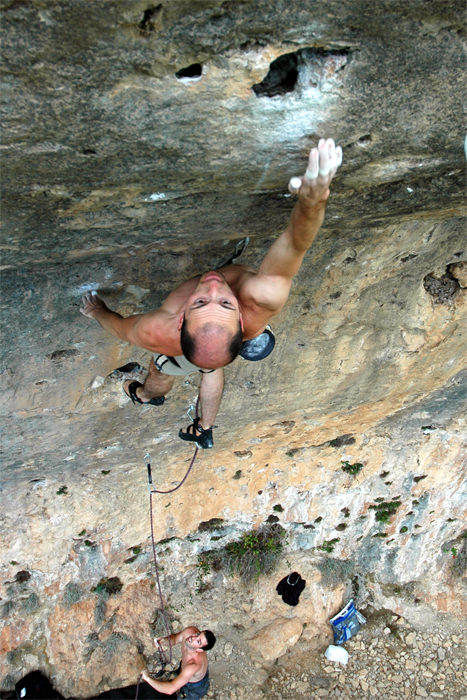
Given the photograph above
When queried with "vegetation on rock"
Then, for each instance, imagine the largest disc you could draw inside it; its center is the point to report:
(352, 469)
(255, 553)
(385, 510)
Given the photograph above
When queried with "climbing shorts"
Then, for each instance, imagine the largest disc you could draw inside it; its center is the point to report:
(195, 691)
(177, 366)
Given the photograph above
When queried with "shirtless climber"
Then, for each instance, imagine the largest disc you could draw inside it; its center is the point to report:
(202, 324)
(193, 680)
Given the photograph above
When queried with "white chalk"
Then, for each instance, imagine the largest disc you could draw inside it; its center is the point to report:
(311, 174)
(294, 185)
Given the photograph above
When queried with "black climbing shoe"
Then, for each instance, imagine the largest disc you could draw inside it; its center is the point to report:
(132, 394)
(204, 440)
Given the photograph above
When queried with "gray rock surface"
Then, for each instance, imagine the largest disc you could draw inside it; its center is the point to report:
(122, 173)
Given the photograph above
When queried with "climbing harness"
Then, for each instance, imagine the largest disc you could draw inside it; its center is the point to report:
(163, 660)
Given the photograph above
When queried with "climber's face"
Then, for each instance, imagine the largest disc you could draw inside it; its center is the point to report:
(213, 301)
(196, 642)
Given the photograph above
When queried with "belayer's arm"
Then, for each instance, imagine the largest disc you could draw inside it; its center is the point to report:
(175, 684)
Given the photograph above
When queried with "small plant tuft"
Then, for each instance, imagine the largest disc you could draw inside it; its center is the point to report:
(255, 553)
(293, 451)
(352, 469)
(108, 586)
(238, 474)
(404, 529)
(385, 510)
(204, 568)
(328, 545)
(278, 508)
(72, 593)
(7, 608)
(334, 571)
(62, 491)
(112, 643)
(31, 603)
(82, 533)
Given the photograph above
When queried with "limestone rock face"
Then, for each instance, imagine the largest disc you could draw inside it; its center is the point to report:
(141, 142)
(274, 640)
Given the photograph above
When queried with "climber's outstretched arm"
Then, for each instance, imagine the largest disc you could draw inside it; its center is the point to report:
(271, 286)
(144, 330)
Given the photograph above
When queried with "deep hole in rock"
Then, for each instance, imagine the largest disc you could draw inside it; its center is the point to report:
(442, 289)
(193, 71)
(281, 78)
(22, 576)
(210, 525)
(284, 71)
(342, 440)
(364, 140)
(59, 355)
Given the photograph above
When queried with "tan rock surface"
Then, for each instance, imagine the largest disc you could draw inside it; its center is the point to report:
(274, 640)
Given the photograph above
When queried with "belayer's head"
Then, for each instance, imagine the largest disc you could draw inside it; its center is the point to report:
(202, 641)
(211, 324)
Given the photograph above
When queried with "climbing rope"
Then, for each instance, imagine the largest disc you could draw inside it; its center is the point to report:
(164, 661)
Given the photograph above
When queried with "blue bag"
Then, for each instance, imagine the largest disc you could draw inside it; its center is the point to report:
(346, 623)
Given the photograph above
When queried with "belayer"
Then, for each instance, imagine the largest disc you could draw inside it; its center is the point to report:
(193, 680)
(203, 323)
